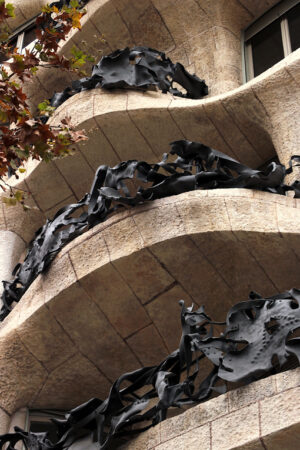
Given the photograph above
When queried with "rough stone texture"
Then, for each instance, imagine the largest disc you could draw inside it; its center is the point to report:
(265, 423)
(240, 397)
(199, 436)
(4, 421)
(68, 385)
(20, 374)
(11, 248)
(92, 333)
(148, 346)
(285, 409)
(287, 380)
(194, 417)
(18, 419)
(226, 434)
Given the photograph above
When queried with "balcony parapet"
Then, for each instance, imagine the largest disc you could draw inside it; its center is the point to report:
(112, 292)
(251, 124)
(262, 415)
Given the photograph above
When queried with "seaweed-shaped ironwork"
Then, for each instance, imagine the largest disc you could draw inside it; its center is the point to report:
(264, 326)
(137, 68)
(196, 167)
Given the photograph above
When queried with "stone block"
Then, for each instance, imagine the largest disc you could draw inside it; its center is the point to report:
(191, 440)
(145, 441)
(71, 384)
(45, 338)
(89, 255)
(191, 419)
(47, 185)
(72, 168)
(58, 277)
(204, 214)
(280, 412)
(97, 150)
(242, 150)
(240, 397)
(249, 215)
(148, 346)
(288, 379)
(92, 333)
(4, 422)
(198, 277)
(115, 298)
(165, 313)
(157, 126)
(127, 132)
(155, 226)
(112, 26)
(122, 239)
(21, 375)
(144, 274)
(233, 430)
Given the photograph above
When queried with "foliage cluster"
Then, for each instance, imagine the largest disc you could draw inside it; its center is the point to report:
(22, 134)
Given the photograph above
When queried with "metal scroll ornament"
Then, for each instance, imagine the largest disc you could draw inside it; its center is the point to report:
(258, 339)
(196, 167)
(139, 68)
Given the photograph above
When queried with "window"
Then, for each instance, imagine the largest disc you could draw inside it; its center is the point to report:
(23, 37)
(271, 38)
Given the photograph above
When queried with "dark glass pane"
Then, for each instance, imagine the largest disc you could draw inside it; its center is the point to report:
(267, 48)
(42, 427)
(12, 43)
(29, 37)
(293, 17)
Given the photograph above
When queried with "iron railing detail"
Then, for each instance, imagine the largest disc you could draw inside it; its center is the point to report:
(196, 167)
(258, 339)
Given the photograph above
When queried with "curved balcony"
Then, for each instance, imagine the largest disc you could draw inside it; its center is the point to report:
(252, 124)
(115, 290)
(203, 36)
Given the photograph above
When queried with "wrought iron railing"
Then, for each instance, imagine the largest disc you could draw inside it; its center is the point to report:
(196, 167)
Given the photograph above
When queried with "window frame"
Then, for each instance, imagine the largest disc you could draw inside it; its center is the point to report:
(277, 12)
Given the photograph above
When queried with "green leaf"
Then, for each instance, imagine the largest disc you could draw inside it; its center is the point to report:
(74, 4)
(38, 46)
(18, 196)
(9, 201)
(10, 9)
(42, 106)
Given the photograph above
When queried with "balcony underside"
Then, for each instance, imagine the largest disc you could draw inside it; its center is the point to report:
(109, 302)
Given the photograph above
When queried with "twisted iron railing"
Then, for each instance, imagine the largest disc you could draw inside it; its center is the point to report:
(196, 167)
(255, 331)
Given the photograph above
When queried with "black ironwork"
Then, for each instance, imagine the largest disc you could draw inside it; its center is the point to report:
(196, 167)
(136, 68)
(258, 338)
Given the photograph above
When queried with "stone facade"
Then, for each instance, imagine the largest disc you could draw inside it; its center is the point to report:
(262, 415)
(89, 318)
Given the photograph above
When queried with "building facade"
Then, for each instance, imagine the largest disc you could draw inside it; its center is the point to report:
(109, 302)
